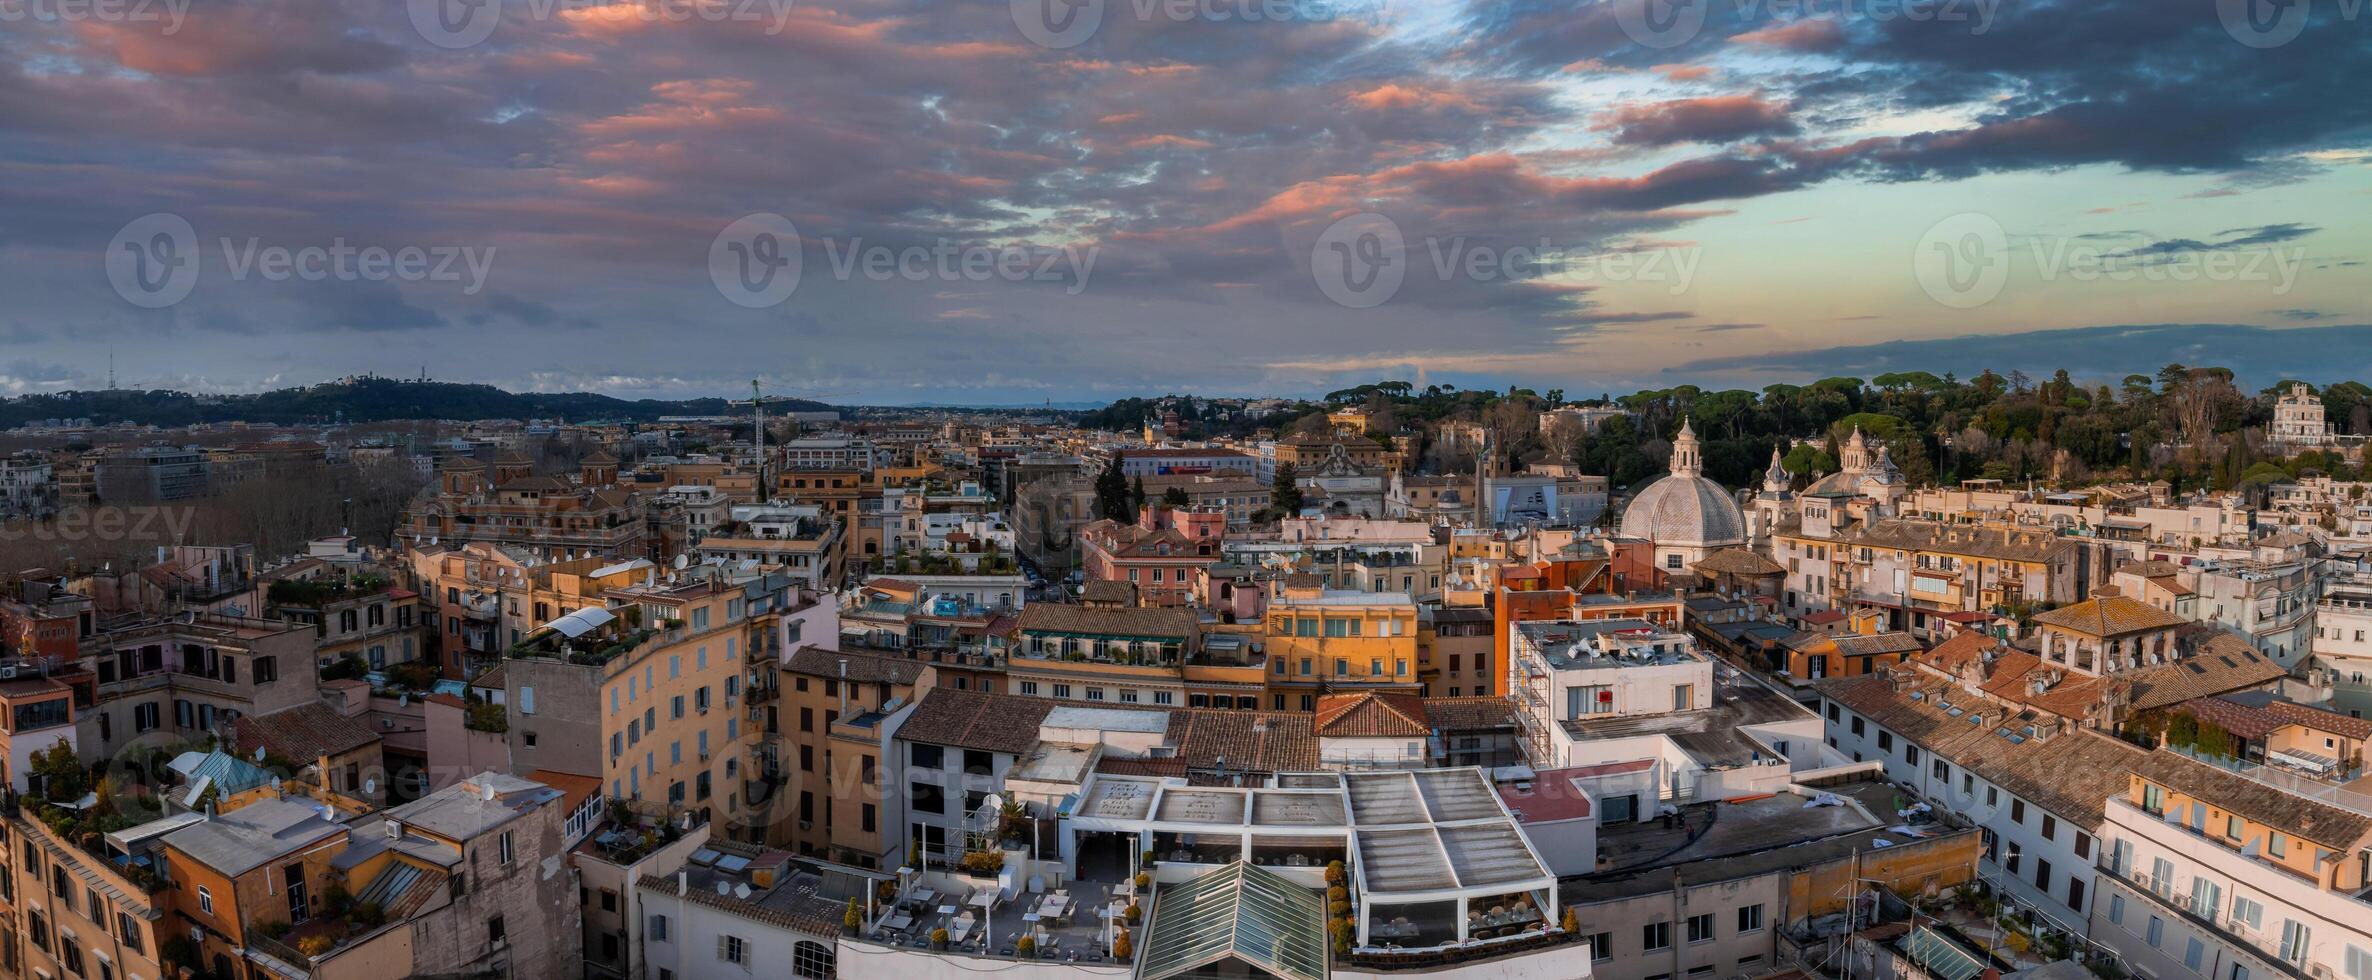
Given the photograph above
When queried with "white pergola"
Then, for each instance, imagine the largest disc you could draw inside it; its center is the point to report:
(1410, 836)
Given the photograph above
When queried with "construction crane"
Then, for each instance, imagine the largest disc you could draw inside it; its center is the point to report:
(757, 402)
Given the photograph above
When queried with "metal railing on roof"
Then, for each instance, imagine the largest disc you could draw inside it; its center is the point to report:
(2287, 782)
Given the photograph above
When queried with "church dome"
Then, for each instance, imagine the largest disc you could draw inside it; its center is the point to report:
(1684, 508)
(1688, 511)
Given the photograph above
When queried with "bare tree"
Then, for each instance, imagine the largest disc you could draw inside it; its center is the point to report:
(2198, 405)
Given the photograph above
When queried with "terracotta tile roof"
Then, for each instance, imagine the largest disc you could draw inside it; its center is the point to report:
(2321, 823)
(1123, 621)
(1371, 715)
(1998, 543)
(1106, 590)
(1140, 767)
(2321, 720)
(1738, 561)
(2220, 663)
(1865, 645)
(304, 733)
(2063, 694)
(1959, 651)
(1469, 714)
(976, 720)
(2239, 719)
(2072, 773)
(2113, 615)
(1261, 742)
(863, 668)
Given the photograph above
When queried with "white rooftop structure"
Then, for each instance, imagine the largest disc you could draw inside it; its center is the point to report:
(1438, 836)
(581, 622)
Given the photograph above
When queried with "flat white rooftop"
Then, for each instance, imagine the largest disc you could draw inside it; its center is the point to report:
(1422, 834)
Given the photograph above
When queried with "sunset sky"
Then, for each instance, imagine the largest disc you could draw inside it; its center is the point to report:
(1737, 203)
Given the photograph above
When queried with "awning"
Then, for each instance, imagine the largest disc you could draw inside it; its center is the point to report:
(581, 622)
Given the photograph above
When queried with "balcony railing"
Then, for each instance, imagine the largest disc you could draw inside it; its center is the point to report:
(2289, 782)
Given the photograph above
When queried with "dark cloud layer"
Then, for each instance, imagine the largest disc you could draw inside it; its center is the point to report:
(597, 148)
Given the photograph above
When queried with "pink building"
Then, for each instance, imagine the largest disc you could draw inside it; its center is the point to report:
(1160, 554)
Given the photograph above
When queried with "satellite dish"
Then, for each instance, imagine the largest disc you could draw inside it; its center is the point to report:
(741, 891)
(370, 785)
(259, 753)
(682, 562)
(994, 800)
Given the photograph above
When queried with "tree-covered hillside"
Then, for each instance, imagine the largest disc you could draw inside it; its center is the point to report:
(358, 400)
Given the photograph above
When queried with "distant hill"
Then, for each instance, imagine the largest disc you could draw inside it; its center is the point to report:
(361, 400)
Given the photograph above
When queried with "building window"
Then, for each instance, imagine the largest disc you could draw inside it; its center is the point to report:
(1750, 919)
(205, 900)
(1655, 936)
(1700, 928)
(658, 928)
(812, 960)
(2294, 941)
(732, 949)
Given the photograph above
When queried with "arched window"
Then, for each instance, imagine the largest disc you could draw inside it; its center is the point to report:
(811, 959)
